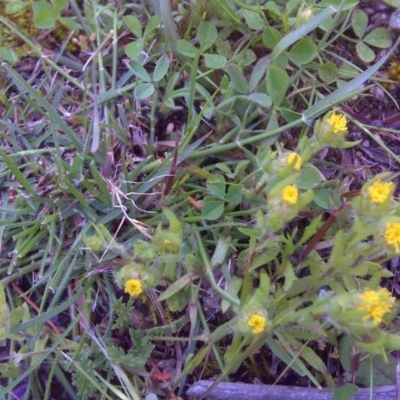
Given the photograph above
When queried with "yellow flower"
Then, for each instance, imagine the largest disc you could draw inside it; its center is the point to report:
(133, 287)
(290, 194)
(257, 323)
(379, 191)
(392, 235)
(376, 304)
(337, 122)
(291, 159)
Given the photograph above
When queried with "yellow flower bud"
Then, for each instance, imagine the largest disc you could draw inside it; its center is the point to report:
(283, 204)
(133, 287)
(257, 323)
(387, 235)
(331, 130)
(376, 303)
(286, 163)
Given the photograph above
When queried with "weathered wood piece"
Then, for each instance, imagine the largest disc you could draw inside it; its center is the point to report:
(244, 391)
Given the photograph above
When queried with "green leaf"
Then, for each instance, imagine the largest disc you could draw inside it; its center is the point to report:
(328, 72)
(304, 51)
(133, 24)
(232, 289)
(271, 37)
(261, 99)
(13, 7)
(139, 71)
(302, 31)
(364, 52)
(175, 226)
(161, 69)
(325, 198)
(187, 49)
(59, 5)
(359, 22)
(217, 186)
(249, 57)
(234, 195)
(277, 84)
(310, 178)
(290, 115)
(345, 392)
(207, 35)
(212, 210)
(215, 61)
(337, 3)
(253, 19)
(273, 8)
(133, 49)
(8, 55)
(237, 78)
(383, 373)
(69, 23)
(152, 24)
(379, 37)
(44, 19)
(176, 286)
(144, 90)
(289, 275)
(258, 72)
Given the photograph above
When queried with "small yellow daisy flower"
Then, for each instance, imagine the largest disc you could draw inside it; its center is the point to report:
(296, 159)
(392, 235)
(290, 194)
(133, 287)
(376, 303)
(379, 191)
(257, 323)
(338, 122)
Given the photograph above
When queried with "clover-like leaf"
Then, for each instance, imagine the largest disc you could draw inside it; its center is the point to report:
(212, 210)
(277, 84)
(133, 49)
(187, 49)
(214, 61)
(328, 72)
(303, 51)
(161, 68)
(207, 34)
(237, 78)
(379, 37)
(271, 36)
(133, 24)
(144, 90)
(364, 52)
(44, 19)
(359, 22)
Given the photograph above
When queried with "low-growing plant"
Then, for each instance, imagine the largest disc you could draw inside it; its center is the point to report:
(225, 239)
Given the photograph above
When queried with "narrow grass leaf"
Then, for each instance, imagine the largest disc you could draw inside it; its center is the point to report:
(18, 174)
(38, 98)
